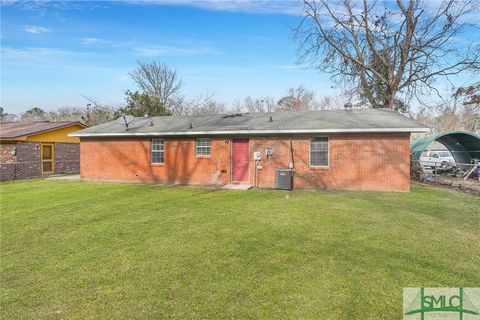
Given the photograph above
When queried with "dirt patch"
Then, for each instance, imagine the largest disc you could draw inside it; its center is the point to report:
(471, 186)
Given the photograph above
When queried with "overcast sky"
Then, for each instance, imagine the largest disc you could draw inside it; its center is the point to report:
(52, 52)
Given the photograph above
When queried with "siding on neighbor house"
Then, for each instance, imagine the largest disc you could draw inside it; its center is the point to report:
(356, 161)
(57, 135)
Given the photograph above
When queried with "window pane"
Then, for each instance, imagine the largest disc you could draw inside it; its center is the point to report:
(319, 144)
(319, 158)
(157, 147)
(319, 151)
(157, 144)
(157, 157)
(157, 151)
(203, 147)
(202, 151)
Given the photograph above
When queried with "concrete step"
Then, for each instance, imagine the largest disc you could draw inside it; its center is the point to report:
(237, 186)
(64, 177)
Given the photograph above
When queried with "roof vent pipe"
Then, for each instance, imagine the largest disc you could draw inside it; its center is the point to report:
(271, 119)
(348, 107)
(191, 126)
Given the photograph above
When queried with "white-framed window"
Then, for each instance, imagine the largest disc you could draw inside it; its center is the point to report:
(157, 151)
(319, 152)
(203, 147)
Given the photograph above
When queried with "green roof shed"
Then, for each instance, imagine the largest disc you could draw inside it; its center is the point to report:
(463, 145)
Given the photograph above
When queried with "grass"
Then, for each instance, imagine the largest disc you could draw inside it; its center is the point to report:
(84, 250)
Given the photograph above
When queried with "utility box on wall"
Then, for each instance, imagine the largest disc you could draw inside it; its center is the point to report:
(283, 179)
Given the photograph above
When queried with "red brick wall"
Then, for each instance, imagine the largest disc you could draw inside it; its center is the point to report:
(130, 160)
(358, 162)
(365, 162)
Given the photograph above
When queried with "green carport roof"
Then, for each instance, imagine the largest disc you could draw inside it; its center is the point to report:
(463, 145)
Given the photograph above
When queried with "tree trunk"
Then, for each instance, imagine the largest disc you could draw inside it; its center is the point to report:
(389, 98)
(388, 102)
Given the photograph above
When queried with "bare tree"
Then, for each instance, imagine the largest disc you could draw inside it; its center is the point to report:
(289, 103)
(329, 103)
(34, 114)
(159, 80)
(7, 117)
(96, 113)
(469, 97)
(459, 112)
(297, 99)
(199, 104)
(469, 94)
(387, 50)
(66, 114)
(3, 114)
(249, 104)
(211, 107)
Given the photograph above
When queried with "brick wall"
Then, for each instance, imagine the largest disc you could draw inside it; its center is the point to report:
(129, 160)
(359, 162)
(365, 162)
(7, 160)
(67, 157)
(25, 164)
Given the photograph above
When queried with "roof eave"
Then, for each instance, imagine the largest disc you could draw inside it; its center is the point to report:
(24, 136)
(247, 132)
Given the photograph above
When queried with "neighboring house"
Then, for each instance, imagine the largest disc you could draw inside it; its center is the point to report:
(366, 149)
(36, 149)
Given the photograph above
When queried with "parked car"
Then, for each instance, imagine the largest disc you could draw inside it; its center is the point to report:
(437, 159)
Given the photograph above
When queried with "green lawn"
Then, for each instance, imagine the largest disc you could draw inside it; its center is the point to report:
(84, 250)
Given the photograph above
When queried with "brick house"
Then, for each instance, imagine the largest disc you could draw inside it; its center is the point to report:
(36, 149)
(343, 149)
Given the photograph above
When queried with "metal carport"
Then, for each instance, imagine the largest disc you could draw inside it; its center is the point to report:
(463, 145)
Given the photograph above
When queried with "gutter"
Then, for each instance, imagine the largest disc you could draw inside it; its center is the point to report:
(245, 132)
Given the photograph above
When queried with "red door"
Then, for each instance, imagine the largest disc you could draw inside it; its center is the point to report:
(240, 160)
